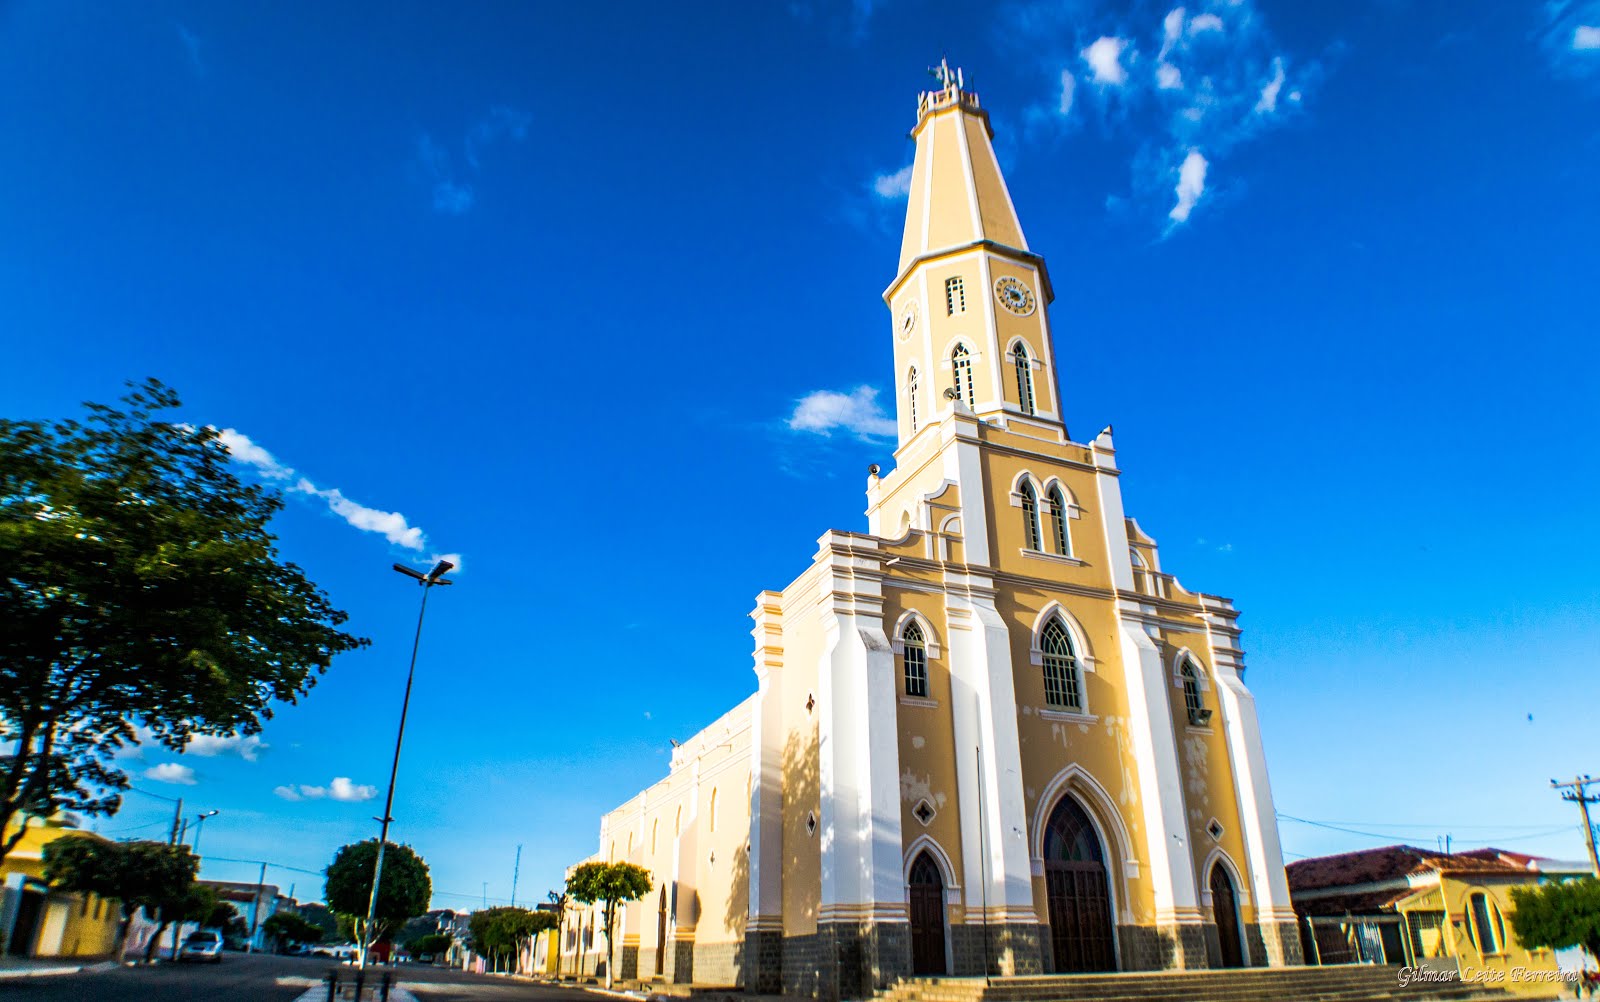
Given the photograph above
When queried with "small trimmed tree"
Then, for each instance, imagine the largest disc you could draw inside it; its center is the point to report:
(430, 944)
(559, 900)
(613, 883)
(194, 903)
(404, 893)
(1558, 915)
(138, 874)
(287, 928)
(498, 933)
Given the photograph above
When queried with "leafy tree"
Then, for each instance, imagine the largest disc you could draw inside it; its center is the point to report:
(286, 928)
(227, 918)
(321, 916)
(141, 587)
(431, 944)
(194, 903)
(613, 883)
(404, 892)
(138, 874)
(499, 933)
(1558, 915)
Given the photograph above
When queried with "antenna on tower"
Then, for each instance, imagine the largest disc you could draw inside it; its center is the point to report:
(516, 869)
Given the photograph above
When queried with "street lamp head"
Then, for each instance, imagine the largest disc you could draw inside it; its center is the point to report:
(408, 572)
(440, 569)
(211, 814)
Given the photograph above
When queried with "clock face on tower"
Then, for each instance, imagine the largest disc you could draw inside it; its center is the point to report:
(908, 321)
(1014, 295)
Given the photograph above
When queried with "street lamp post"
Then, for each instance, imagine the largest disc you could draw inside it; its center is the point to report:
(183, 833)
(427, 581)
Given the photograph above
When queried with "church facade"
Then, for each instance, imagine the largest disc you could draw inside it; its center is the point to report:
(990, 732)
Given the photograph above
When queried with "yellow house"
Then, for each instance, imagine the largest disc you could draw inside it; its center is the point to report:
(36, 921)
(991, 732)
(1429, 910)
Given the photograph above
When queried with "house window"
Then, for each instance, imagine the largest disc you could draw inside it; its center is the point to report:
(955, 297)
(1060, 667)
(961, 362)
(1019, 356)
(1192, 700)
(1058, 521)
(1488, 930)
(1030, 515)
(916, 660)
(911, 397)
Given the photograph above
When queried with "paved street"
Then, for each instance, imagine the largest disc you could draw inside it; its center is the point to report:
(263, 979)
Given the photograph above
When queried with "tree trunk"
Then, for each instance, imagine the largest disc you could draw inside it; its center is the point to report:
(154, 942)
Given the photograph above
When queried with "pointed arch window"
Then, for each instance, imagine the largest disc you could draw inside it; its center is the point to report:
(1019, 357)
(1059, 533)
(1030, 516)
(1194, 701)
(711, 824)
(1062, 687)
(955, 297)
(961, 363)
(911, 397)
(915, 660)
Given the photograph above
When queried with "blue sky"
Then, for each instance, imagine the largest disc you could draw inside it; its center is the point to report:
(544, 286)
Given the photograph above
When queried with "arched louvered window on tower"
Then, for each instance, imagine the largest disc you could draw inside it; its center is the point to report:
(1194, 702)
(1019, 357)
(1060, 535)
(915, 660)
(911, 398)
(1062, 688)
(961, 365)
(1030, 516)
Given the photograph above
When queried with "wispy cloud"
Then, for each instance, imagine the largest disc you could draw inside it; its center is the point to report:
(450, 186)
(209, 746)
(191, 46)
(341, 789)
(392, 525)
(822, 412)
(895, 185)
(1585, 37)
(1188, 85)
(1571, 37)
(171, 772)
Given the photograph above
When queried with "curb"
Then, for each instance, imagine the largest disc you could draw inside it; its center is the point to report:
(51, 972)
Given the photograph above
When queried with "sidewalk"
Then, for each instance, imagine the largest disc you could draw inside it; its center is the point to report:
(16, 967)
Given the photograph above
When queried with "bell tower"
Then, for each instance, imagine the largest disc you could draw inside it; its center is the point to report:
(968, 302)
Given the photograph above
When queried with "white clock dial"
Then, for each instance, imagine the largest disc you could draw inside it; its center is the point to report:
(1014, 295)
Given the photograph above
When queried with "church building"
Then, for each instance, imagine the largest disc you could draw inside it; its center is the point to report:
(989, 732)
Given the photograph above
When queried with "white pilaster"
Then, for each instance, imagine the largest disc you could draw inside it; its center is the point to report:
(766, 766)
(859, 760)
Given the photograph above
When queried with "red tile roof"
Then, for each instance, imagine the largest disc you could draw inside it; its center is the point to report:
(1369, 866)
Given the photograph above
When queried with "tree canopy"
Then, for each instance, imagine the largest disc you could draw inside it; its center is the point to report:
(613, 883)
(1558, 915)
(287, 927)
(404, 892)
(141, 588)
(154, 876)
(500, 932)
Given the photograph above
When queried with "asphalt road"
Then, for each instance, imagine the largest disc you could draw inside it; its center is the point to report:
(264, 979)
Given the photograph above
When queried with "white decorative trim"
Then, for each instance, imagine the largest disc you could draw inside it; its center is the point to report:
(1101, 810)
(1241, 889)
(920, 701)
(930, 639)
(941, 859)
(1080, 637)
(1202, 674)
(1067, 716)
(1052, 557)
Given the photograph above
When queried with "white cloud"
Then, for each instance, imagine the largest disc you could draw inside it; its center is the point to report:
(1168, 77)
(823, 411)
(1069, 87)
(209, 746)
(452, 198)
(1585, 37)
(1171, 30)
(1204, 22)
(341, 789)
(1269, 92)
(896, 185)
(1191, 184)
(1104, 56)
(240, 447)
(171, 772)
(391, 524)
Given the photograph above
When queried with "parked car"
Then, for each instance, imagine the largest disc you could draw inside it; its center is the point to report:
(205, 944)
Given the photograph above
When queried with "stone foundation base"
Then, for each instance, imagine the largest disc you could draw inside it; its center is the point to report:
(763, 962)
(628, 963)
(680, 962)
(846, 960)
(719, 963)
(1275, 944)
(1014, 949)
(1163, 948)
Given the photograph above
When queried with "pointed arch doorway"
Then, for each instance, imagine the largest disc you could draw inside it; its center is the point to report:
(661, 933)
(1225, 913)
(926, 893)
(1079, 891)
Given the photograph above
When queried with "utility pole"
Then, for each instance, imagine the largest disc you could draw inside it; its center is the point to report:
(516, 868)
(177, 818)
(255, 912)
(1577, 792)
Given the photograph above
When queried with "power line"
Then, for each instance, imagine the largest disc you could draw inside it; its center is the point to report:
(1515, 837)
